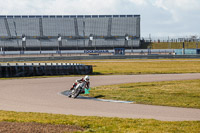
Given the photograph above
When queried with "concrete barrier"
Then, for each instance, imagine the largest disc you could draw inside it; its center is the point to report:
(43, 69)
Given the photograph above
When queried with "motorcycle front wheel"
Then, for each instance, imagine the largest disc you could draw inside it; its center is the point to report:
(75, 93)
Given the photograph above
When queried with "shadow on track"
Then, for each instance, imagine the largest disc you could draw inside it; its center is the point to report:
(66, 93)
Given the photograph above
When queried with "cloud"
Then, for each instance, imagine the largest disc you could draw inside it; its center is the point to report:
(159, 17)
(183, 5)
(59, 7)
(179, 8)
(82, 7)
(139, 2)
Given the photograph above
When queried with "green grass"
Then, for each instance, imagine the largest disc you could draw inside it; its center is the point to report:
(184, 93)
(134, 66)
(172, 93)
(172, 45)
(155, 67)
(104, 124)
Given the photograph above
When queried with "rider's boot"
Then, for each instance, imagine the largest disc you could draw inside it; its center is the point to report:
(73, 86)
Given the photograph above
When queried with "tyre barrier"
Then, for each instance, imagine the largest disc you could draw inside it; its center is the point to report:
(43, 69)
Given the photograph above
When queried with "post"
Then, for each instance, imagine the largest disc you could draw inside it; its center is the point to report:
(149, 50)
(169, 43)
(132, 47)
(40, 47)
(150, 37)
(3, 47)
(183, 49)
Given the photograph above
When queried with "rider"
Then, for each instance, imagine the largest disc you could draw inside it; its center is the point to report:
(85, 79)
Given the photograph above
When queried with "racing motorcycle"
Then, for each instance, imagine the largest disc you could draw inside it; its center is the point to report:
(77, 90)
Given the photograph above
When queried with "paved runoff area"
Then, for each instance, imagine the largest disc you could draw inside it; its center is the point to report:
(45, 95)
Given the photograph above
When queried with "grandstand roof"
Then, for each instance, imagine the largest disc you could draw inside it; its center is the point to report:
(66, 16)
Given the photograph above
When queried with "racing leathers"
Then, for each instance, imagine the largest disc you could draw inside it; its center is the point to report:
(84, 83)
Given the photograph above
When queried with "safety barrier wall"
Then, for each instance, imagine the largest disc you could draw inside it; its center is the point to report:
(98, 57)
(186, 51)
(43, 69)
(111, 51)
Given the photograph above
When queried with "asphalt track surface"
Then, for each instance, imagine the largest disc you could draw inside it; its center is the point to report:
(44, 95)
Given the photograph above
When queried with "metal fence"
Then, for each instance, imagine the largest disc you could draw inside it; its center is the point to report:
(173, 39)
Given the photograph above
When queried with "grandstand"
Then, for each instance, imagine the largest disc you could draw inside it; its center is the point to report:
(69, 32)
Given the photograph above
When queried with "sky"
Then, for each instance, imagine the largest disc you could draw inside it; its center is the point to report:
(159, 18)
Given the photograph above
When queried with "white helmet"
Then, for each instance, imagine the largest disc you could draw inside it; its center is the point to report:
(86, 78)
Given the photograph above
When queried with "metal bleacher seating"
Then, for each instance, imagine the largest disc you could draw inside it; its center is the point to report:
(96, 26)
(33, 43)
(3, 31)
(122, 26)
(27, 26)
(43, 31)
(55, 26)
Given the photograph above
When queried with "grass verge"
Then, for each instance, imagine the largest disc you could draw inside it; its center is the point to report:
(154, 67)
(103, 124)
(138, 66)
(184, 93)
(173, 45)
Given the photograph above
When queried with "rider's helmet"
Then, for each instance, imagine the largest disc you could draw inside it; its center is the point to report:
(86, 78)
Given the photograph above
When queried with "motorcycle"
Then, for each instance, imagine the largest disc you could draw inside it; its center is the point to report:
(77, 90)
